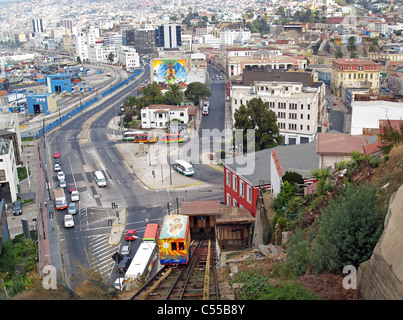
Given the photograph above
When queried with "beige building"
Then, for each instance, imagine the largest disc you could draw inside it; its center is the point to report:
(298, 108)
(354, 72)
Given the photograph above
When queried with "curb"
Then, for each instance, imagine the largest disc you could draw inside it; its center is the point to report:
(119, 226)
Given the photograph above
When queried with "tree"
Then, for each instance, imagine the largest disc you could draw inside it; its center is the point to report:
(197, 91)
(351, 46)
(110, 57)
(293, 177)
(347, 231)
(174, 95)
(257, 115)
(130, 102)
(339, 54)
(150, 94)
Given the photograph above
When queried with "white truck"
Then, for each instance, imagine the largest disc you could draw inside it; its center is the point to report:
(60, 199)
(205, 110)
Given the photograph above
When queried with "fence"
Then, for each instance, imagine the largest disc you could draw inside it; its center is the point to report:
(73, 112)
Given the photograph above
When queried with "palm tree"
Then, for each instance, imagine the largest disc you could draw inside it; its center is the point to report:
(174, 95)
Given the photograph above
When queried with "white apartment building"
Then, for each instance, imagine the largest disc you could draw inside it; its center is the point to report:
(297, 107)
(128, 57)
(234, 36)
(159, 116)
(98, 53)
(8, 167)
(83, 42)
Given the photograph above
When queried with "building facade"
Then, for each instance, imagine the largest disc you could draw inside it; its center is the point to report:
(8, 168)
(236, 64)
(160, 116)
(297, 107)
(168, 36)
(355, 72)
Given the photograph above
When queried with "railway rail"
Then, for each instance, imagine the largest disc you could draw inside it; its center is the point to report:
(193, 281)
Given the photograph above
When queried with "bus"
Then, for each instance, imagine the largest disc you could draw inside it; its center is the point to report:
(184, 167)
(129, 135)
(141, 265)
(60, 199)
(150, 234)
(145, 138)
(174, 240)
(100, 179)
(172, 137)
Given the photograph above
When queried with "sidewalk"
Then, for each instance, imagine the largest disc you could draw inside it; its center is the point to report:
(149, 162)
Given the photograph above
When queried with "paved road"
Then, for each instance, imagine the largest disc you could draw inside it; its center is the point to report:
(90, 239)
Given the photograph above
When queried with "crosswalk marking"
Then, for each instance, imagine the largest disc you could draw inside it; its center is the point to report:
(102, 252)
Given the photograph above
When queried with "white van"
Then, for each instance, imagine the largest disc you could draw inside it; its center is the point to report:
(184, 167)
(100, 179)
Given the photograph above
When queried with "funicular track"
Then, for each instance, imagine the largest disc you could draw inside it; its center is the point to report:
(193, 281)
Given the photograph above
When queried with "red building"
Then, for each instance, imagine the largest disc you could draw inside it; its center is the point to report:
(242, 190)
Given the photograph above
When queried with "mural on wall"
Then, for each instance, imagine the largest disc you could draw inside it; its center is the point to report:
(168, 71)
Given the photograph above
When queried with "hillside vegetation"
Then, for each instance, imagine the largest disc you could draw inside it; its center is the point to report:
(338, 226)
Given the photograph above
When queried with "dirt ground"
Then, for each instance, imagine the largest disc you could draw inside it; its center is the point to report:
(326, 286)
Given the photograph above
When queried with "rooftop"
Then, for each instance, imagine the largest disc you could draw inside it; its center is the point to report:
(340, 144)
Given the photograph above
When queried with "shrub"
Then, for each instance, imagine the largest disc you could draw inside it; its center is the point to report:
(258, 286)
(374, 162)
(345, 233)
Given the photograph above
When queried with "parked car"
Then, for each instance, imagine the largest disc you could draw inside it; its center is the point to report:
(125, 250)
(75, 196)
(17, 209)
(123, 265)
(63, 184)
(58, 161)
(72, 208)
(61, 176)
(72, 187)
(130, 234)
(68, 221)
(58, 167)
(56, 154)
(119, 283)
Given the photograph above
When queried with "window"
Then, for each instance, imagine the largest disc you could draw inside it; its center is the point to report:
(173, 245)
(228, 199)
(234, 182)
(181, 246)
(249, 194)
(241, 188)
(234, 203)
(228, 177)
